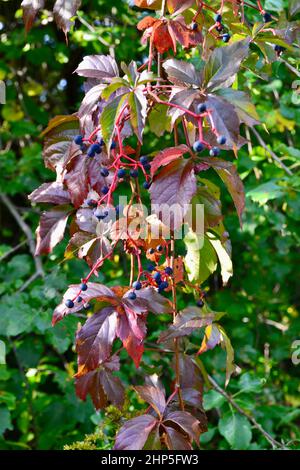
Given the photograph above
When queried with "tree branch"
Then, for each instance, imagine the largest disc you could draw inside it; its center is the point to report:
(270, 152)
(275, 444)
(30, 240)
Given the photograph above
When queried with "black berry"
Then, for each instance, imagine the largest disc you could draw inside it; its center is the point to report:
(194, 26)
(104, 172)
(113, 145)
(134, 173)
(137, 285)
(121, 173)
(159, 248)
(218, 18)
(214, 152)
(147, 166)
(131, 296)
(169, 271)
(221, 140)
(69, 303)
(78, 139)
(150, 268)
(104, 190)
(146, 185)
(83, 286)
(79, 299)
(201, 108)
(198, 146)
(267, 17)
(157, 277)
(226, 37)
(96, 148)
(151, 251)
(200, 303)
(144, 160)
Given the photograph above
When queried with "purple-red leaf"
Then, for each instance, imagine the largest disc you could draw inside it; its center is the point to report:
(171, 192)
(51, 229)
(53, 193)
(154, 396)
(63, 11)
(94, 340)
(30, 10)
(186, 421)
(76, 180)
(134, 434)
(101, 67)
(166, 156)
(176, 440)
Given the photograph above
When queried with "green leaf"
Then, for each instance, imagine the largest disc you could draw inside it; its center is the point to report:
(116, 84)
(159, 120)
(200, 260)
(224, 258)
(265, 192)
(109, 116)
(249, 383)
(213, 399)
(237, 430)
(294, 7)
(5, 421)
(2, 353)
(138, 111)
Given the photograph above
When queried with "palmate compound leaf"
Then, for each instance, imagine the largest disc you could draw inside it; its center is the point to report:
(130, 326)
(182, 73)
(52, 193)
(223, 256)
(174, 440)
(63, 11)
(244, 108)
(94, 340)
(59, 146)
(187, 321)
(171, 192)
(229, 175)
(166, 156)
(154, 396)
(215, 334)
(201, 259)
(102, 385)
(101, 67)
(223, 64)
(51, 229)
(135, 432)
(30, 10)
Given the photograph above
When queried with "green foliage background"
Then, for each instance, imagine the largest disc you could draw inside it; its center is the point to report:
(38, 407)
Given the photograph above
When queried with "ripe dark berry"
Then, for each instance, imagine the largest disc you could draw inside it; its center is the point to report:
(144, 160)
(159, 248)
(121, 173)
(226, 37)
(97, 23)
(83, 148)
(220, 28)
(104, 172)
(163, 285)
(157, 277)
(169, 271)
(69, 303)
(104, 190)
(221, 140)
(134, 173)
(201, 108)
(79, 299)
(118, 210)
(218, 18)
(113, 145)
(279, 49)
(151, 251)
(200, 303)
(194, 26)
(83, 286)
(91, 203)
(131, 296)
(96, 147)
(100, 214)
(198, 146)
(91, 153)
(78, 139)
(146, 185)
(214, 152)
(147, 166)
(267, 17)
(137, 285)
(150, 268)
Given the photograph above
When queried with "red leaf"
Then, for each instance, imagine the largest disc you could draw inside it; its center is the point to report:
(173, 188)
(94, 340)
(94, 291)
(76, 180)
(184, 35)
(154, 396)
(186, 421)
(102, 385)
(177, 6)
(30, 10)
(53, 193)
(166, 156)
(51, 229)
(175, 440)
(134, 434)
(131, 330)
(146, 22)
(162, 39)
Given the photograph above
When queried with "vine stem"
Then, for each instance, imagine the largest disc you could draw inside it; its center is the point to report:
(176, 341)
